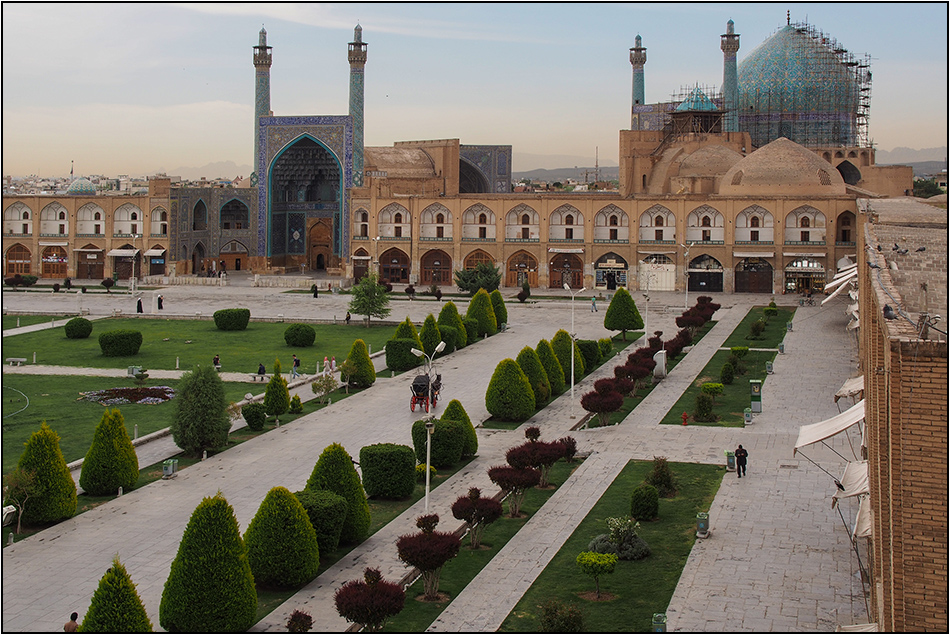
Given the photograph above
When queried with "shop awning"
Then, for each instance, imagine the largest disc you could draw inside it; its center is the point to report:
(45, 244)
(836, 292)
(850, 388)
(806, 254)
(154, 252)
(828, 428)
(862, 521)
(653, 252)
(753, 254)
(359, 257)
(840, 280)
(857, 628)
(123, 253)
(88, 249)
(846, 269)
(565, 250)
(853, 324)
(854, 481)
(853, 294)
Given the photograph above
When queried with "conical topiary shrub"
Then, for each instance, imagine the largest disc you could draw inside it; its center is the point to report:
(455, 412)
(551, 366)
(281, 543)
(210, 588)
(201, 419)
(54, 498)
(509, 396)
(407, 330)
(480, 309)
(116, 606)
(622, 314)
(531, 366)
(363, 374)
(563, 348)
(277, 394)
(111, 461)
(430, 335)
(498, 306)
(449, 316)
(335, 473)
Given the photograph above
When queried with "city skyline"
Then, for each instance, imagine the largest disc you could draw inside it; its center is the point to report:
(139, 88)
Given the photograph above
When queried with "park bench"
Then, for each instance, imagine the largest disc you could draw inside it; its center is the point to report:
(16, 361)
(9, 514)
(217, 367)
(255, 377)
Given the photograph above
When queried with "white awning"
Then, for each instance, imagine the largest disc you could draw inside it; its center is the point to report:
(857, 628)
(853, 309)
(565, 250)
(87, 249)
(836, 292)
(753, 254)
(862, 521)
(853, 294)
(822, 430)
(853, 324)
(154, 252)
(806, 254)
(653, 252)
(45, 244)
(123, 252)
(846, 269)
(359, 257)
(850, 388)
(841, 279)
(854, 481)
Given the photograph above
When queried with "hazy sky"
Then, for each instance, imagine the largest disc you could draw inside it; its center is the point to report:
(136, 88)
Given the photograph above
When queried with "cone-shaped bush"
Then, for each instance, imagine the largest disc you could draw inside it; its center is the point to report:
(455, 412)
(449, 316)
(531, 366)
(552, 367)
(281, 543)
(111, 462)
(201, 419)
(55, 490)
(564, 347)
(116, 606)
(210, 588)
(430, 335)
(277, 395)
(509, 396)
(335, 473)
(407, 330)
(480, 309)
(364, 374)
(622, 314)
(498, 305)
(370, 601)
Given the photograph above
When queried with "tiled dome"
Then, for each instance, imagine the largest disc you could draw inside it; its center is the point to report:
(81, 187)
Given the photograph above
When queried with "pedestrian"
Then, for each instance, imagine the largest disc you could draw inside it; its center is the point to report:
(593, 304)
(326, 366)
(294, 369)
(261, 371)
(741, 455)
(161, 302)
(138, 306)
(347, 317)
(333, 364)
(216, 361)
(71, 626)
(316, 291)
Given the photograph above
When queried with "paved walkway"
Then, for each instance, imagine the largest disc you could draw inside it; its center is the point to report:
(776, 522)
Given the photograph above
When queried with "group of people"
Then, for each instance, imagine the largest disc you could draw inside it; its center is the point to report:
(329, 366)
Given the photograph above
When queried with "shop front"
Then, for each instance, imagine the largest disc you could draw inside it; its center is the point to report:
(804, 275)
(610, 272)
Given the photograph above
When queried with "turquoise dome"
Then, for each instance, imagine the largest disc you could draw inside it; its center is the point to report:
(81, 187)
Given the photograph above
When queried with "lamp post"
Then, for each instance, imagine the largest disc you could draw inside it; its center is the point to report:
(567, 288)
(376, 255)
(686, 249)
(646, 313)
(430, 420)
(134, 258)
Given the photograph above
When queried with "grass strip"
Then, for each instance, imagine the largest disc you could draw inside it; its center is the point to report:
(773, 334)
(16, 321)
(638, 588)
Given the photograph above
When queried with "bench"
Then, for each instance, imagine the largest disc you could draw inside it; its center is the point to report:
(16, 361)
(217, 367)
(255, 377)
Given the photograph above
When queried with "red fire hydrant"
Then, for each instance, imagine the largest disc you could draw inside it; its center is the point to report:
(685, 418)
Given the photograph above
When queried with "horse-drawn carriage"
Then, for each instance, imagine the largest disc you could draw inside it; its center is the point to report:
(425, 390)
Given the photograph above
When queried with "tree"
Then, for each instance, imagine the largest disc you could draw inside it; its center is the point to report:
(925, 188)
(713, 389)
(515, 482)
(498, 304)
(536, 454)
(622, 314)
(509, 396)
(407, 330)
(18, 486)
(596, 565)
(201, 419)
(323, 385)
(478, 512)
(370, 601)
(116, 606)
(552, 367)
(428, 551)
(449, 316)
(54, 498)
(430, 335)
(369, 298)
(602, 404)
(484, 276)
(210, 587)
(281, 543)
(481, 310)
(277, 395)
(531, 366)
(455, 412)
(334, 472)
(111, 461)
(358, 367)
(564, 346)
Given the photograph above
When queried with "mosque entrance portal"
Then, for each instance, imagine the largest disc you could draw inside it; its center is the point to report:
(320, 244)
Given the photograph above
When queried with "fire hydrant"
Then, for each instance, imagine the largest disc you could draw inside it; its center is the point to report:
(685, 418)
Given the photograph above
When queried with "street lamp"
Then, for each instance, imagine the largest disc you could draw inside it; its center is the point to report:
(686, 249)
(430, 420)
(134, 258)
(376, 254)
(646, 314)
(567, 288)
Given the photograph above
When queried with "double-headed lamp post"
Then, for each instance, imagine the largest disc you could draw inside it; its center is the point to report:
(430, 420)
(686, 249)
(567, 288)
(135, 257)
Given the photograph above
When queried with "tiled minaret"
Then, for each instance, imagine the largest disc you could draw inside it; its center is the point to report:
(262, 62)
(357, 58)
(638, 57)
(730, 78)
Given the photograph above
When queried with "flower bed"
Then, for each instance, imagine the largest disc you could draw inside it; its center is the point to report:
(136, 394)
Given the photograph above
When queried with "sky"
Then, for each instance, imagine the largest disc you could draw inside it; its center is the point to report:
(136, 88)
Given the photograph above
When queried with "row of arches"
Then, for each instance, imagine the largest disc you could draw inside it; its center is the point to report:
(89, 261)
(234, 214)
(90, 220)
(233, 256)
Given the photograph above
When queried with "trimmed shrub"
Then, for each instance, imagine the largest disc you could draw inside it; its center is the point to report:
(448, 442)
(728, 374)
(662, 477)
(563, 347)
(108, 283)
(363, 374)
(480, 309)
(498, 306)
(111, 461)
(450, 337)
(712, 389)
(645, 502)
(54, 497)
(455, 412)
(602, 404)
(570, 448)
(539, 455)
(769, 312)
(78, 328)
(389, 470)
(596, 565)
(590, 351)
(335, 472)
(369, 602)
(327, 512)
(277, 394)
(509, 396)
(739, 351)
(116, 606)
(299, 622)
(552, 367)
(633, 548)
(471, 329)
(606, 347)
(449, 316)
(407, 330)
(531, 366)
(557, 617)
(281, 543)
(120, 343)
(622, 314)
(421, 472)
(756, 329)
(232, 319)
(478, 512)
(299, 335)
(430, 335)
(296, 406)
(201, 420)
(428, 551)
(210, 587)
(704, 408)
(254, 414)
(515, 482)
(399, 355)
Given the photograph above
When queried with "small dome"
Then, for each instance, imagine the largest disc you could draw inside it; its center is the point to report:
(712, 160)
(782, 167)
(697, 102)
(82, 187)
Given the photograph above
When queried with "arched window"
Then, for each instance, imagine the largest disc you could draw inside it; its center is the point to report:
(97, 216)
(569, 219)
(613, 221)
(754, 221)
(482, 219)
(846, 221)
(658, 221)
(397, 218)
(525, 219)
(62, 216)
(26, 216)
(806, 222)
(706, 222)
(364, 217)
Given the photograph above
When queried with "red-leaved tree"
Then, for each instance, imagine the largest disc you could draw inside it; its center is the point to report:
(515, 482)
(602, 404)
(478, 512)
(537, 454)
(370, 601)
(428, 551)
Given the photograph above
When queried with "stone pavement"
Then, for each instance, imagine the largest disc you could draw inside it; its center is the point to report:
(737, 580)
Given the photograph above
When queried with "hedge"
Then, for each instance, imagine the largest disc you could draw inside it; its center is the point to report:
(448, 442)
(326, 512)
(531, 366)
(232, 319)
(406, 329)
(121, 343)
(111, 461)
(430, 335)
(389, 470)
(590, 350)
(563, 347)
(334, 471)
(116, 606)
(299, 335)
(471, 329)
(606, 347)
(645, 502)
(498, 305)
(399, 355)
(450, 337)
(78, 328)
(509, 396)
(552, 367)
(455, 412)
(281, 543)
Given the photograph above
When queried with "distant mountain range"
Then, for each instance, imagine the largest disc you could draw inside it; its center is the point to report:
(906, 156)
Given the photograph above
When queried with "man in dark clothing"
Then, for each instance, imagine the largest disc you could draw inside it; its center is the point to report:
(741, 457)
(138, 306)
(261, 371)
(71, 626)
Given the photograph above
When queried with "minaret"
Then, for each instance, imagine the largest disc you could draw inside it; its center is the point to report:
(262, 62)
(357, 58)
(638, 57)
(730, 79)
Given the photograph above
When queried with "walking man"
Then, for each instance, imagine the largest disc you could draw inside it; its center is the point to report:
(294, 370)
(593, 305)
(71, 626)
(741, 456)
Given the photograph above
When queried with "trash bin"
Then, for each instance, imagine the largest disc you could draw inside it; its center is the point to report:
(730, 461)
(115, 276)
(788, 327)
(748, 415)
(659, 623)
(768, 368)
(702, 525)
(781, 348)
(174, 466)
(168, 468)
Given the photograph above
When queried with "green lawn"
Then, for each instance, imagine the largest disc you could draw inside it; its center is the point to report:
(735, 398)
(13, 321)
(416, 616)
(774, 330)
(641, 588)
(165, 340)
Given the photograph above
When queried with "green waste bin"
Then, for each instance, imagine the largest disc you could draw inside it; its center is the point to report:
(748, 415)
(659, 623)
(115, 276)
(730, 461)
(702, 525)
(168, 467)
